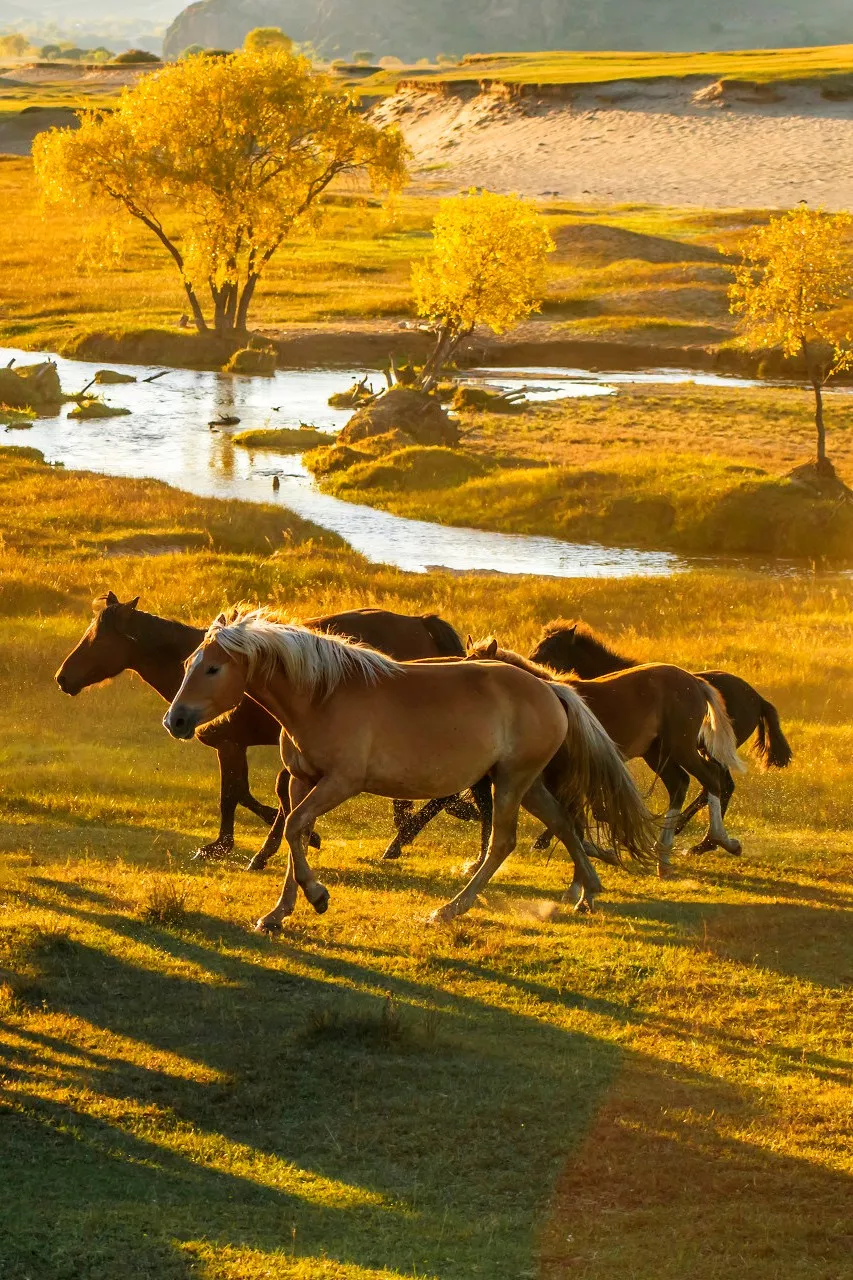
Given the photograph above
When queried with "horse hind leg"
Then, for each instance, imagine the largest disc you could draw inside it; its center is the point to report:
(586, 885)
(712, 776)
(676, 780)
(506, 803)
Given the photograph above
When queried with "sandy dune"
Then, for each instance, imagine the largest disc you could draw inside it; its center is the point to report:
(660, 142)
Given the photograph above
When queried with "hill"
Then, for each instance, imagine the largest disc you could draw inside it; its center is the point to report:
(414, 29)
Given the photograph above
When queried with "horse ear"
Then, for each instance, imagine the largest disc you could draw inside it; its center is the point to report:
(570, 631)
(111, 598)
(492, 648)
(221, 621)
(131, 604)
(469, 643)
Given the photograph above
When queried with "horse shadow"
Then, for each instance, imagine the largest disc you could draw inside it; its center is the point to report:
(257, 1095)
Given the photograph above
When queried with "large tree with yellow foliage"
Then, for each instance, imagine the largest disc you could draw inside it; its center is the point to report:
(790, 289)
(222, 159)
(486, 267)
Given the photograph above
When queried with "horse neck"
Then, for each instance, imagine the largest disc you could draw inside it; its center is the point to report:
(160, 647)
(527, 664)
(277, 696)
(591, 660)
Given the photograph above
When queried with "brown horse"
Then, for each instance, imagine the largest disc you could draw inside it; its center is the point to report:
(124, 638)
(573, 647)
(354, 721)
(658, 713)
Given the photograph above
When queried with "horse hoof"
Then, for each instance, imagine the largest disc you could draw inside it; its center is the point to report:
(320, 902)
(666, 871)
(574, 894)
(585, 907)
(268, 924)
(314, 841)
(392, 853)
(704, 846)
(543, 842)
(257, 864)
(212, 852)
(734, 847)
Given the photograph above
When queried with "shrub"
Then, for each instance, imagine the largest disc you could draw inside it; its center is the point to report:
(264, 38)
(191, 51)
(135, 56)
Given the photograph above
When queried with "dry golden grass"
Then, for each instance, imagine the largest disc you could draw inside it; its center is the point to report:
(657, 1091)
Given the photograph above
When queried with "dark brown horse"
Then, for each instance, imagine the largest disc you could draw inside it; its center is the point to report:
(658, 713)
(572, 646)
(123, 638)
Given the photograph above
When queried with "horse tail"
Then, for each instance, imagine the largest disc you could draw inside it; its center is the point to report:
(444, 637)
(717, 735)
(590, 775)
(771, 746)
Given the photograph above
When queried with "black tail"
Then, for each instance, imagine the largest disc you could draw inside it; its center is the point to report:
(446, 640)
(771, 746)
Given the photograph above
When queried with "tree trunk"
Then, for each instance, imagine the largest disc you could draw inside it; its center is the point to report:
(242, 316)
(814, 376)
(195, 308)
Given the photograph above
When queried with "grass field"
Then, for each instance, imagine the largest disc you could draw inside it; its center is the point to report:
(656, 1091)
(763, 66)
(634, 274)
(699, 470)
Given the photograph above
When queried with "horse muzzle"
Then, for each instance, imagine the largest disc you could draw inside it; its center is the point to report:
(67, 686)
(181, 722)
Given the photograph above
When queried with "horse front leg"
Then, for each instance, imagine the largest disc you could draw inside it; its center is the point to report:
(586, 885)
(233, 784)
(308, 803)
(677, 781)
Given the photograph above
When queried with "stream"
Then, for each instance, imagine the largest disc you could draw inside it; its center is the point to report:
(168, 437)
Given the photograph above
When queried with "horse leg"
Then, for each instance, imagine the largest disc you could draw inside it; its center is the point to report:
(712, 776)
(688, 814)
(543, 805)
(309, 802)
(410, 825)
(233, 784)
(482, 793)
(677, 781)
(507, 799)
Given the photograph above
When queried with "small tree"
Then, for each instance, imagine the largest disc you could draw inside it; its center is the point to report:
(264, 38)
(795, 275)
(486, 267)
(363, 55)
(221, 159)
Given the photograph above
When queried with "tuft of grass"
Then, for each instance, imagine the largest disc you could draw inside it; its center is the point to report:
(283, 438)
(166, 902)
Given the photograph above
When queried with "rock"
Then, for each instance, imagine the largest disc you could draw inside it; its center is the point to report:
(419, 416)
(30, 386)
(109, 377)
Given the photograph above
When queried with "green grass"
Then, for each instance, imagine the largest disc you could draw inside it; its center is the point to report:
(556, 67)
(643, 1093)
(283, 438)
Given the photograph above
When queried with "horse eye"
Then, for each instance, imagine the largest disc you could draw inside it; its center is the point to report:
(212, 671)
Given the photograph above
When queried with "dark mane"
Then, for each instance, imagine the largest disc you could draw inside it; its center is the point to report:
(568, 644)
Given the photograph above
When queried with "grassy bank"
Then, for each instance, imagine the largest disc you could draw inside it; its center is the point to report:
(699, 470)
(644, 1092)
(643, 276)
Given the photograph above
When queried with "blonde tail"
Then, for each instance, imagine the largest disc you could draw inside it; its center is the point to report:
(588, 774)
(717, 735)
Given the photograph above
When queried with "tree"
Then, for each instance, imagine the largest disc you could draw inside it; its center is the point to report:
(192, 51)
(14, 46)
(486, 267)
(50, 51)
(795, 275)
(222, 159)
(363, 56)
(264, 38)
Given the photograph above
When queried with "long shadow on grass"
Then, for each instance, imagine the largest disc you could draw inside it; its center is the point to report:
(444, 1132)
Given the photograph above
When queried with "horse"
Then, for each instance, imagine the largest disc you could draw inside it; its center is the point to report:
(659, 713)
(122, 637)
(355, 721)
(572, 646)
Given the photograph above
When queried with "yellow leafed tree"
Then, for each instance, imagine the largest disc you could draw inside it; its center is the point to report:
(795, 277)
(222, 159)
(486, 267)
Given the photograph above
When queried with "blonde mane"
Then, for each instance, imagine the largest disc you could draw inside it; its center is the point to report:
(313, 662)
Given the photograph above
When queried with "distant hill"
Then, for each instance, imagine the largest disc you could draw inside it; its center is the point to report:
(413, 29)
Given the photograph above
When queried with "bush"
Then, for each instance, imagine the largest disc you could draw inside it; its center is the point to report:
(132, 56)
(264, 38)
(249, 360)
(191, 51)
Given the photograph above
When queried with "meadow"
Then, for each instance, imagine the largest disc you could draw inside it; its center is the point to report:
(694, 469)
(632, 274)
(658, 1090)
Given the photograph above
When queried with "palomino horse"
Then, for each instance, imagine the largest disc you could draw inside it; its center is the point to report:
(659, 713)
(573, 647)
(123, 638)
(354, 721)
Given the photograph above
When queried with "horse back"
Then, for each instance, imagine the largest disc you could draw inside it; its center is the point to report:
(399, 635)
